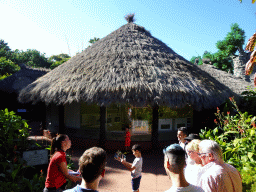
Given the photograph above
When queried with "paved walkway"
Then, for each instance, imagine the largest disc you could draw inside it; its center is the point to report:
(117, 178)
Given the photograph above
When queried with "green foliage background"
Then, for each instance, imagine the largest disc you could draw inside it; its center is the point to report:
(13, 140)
(236, 134)
(227, 47)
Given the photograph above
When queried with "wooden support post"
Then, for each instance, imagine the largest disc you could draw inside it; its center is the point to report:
(61, 120)
(102, 126)
(43, 116)
(154, 138)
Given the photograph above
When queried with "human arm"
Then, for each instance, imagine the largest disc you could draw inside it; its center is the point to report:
(64, 170)
(128, 165)
(211, 183)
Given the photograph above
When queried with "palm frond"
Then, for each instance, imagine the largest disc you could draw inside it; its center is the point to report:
(251, 43)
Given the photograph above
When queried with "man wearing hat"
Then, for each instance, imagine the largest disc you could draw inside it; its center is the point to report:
(192, 136)
(174, 163)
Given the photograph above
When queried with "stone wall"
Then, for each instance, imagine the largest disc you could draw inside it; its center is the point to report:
(239, 62)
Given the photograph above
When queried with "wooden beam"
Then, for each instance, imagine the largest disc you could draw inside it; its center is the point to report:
(102, 140)
(154, 137)
(61, 120)
(43, 116)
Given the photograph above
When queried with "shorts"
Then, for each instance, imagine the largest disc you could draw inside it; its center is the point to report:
(52, 190)
(136, 183)
(62, 188)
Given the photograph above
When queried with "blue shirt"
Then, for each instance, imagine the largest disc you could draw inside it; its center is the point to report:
(78, 188)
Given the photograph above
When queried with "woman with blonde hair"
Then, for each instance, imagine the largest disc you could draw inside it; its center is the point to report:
(193, 171)
(57, 171)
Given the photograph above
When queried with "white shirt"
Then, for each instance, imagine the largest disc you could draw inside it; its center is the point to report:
(190, 188)
(193, 174)
(183, 145)
(220, 178)
(137, 163)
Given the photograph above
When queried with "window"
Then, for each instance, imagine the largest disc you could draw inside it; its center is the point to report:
(180, 122)
(164, 124)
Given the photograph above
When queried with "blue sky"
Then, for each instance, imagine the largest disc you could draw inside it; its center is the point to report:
(65, 26)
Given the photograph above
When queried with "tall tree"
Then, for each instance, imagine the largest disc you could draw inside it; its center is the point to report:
(7, 67)
(232, 43)
(227, 47)
(58, 59)
(5, 50)
(31, 57)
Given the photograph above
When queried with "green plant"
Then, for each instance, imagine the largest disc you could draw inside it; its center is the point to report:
(13, 141)
(2, 77)
(236, 135)
(13, 135)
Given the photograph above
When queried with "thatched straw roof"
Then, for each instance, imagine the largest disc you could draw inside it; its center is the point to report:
(236, 84)
(128, 66)
(21, 79)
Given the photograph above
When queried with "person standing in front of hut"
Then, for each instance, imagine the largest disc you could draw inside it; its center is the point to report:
(181, 135)
(127, 139)
(193, 171)
(217, 176)
(174, 164)
(57, 171)
(135, 167)
(92, 166)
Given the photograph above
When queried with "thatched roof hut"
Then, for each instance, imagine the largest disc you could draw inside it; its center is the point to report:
(19, 80)
(129, 66)
(10, 88)
(236, 84)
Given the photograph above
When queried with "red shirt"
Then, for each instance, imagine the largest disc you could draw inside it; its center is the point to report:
(127, 139)
(55, 177)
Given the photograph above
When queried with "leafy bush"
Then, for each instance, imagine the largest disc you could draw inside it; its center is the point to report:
(13, 135)
(7, 66)
(236, 135)
(13, 141)
(2, 77)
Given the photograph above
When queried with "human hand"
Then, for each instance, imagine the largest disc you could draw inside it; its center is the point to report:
(77, 179)
(123, 159)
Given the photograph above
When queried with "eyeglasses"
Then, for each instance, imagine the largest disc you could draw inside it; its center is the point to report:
(189, 152)
(202, 154)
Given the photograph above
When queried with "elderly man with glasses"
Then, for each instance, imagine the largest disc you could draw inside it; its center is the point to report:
(217, 175)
